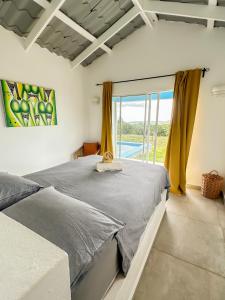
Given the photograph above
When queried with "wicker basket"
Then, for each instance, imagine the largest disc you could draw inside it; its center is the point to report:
(212, 185)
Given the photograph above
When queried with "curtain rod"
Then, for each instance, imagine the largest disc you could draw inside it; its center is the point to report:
(204, 70)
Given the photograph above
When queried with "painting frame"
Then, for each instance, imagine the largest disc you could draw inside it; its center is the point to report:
(28, 105)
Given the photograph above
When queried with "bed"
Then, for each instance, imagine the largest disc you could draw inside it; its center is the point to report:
(135, 196)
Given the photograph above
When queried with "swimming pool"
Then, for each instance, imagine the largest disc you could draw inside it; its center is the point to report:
(128, 149)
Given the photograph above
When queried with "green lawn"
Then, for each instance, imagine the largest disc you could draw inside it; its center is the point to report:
(161, 146)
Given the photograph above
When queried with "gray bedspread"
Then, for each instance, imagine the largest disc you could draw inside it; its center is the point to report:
(76, 227)
(130, 195)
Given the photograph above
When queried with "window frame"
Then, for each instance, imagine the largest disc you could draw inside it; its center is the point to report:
(147, 122)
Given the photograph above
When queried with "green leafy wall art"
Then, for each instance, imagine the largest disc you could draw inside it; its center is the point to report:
(28, 105)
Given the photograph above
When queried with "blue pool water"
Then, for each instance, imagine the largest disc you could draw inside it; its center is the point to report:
(128, 149)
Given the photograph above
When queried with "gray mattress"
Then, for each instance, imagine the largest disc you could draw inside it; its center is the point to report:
(129, 196)
(103, 270)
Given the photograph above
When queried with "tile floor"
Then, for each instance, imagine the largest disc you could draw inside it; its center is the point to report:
(187, 261)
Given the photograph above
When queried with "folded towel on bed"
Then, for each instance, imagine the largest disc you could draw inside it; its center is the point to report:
(113, 166)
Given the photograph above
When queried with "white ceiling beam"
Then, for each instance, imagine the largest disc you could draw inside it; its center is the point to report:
(72, 24)
(116, 27)
(43, 3)
(144, 16)
(184, 9)
(210, 22)
(40, 25)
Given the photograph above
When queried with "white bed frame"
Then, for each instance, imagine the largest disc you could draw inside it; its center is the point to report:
(123, 288)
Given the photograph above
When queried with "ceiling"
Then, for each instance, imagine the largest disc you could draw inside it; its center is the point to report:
(94, 17)
(192, 20)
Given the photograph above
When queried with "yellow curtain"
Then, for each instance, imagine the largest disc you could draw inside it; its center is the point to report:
(186, 92)
(106, 140)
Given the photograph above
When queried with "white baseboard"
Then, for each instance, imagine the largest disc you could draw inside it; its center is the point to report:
(193, 187)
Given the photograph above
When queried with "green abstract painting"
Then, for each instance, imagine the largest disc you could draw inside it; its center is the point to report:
(28, 105)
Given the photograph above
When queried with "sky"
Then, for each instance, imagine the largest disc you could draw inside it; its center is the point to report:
(133, 107)
(134, 111)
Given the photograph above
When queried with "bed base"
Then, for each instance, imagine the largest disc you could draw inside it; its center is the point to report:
(123, 288)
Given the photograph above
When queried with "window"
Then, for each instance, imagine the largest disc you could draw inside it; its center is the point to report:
(141, 126)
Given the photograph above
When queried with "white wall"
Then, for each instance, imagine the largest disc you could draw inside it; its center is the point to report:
(25, 150)
(168, 48)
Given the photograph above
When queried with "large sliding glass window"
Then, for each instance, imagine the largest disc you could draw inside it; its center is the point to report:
(141, 126)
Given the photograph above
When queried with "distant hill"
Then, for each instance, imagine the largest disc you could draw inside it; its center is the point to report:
(137, 128)
(152, 123)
